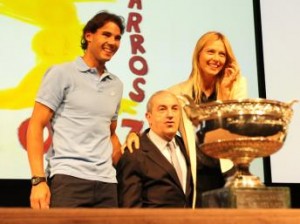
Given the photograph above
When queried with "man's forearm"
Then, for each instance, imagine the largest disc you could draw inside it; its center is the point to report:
(35, 150)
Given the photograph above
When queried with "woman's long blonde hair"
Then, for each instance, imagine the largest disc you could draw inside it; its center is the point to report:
(230, 62)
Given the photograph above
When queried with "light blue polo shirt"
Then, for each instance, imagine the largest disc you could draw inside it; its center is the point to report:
(84, 105)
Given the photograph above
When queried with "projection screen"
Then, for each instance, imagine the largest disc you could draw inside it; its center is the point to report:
(37, 34)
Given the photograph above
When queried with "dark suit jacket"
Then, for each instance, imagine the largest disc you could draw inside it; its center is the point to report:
(147, 179)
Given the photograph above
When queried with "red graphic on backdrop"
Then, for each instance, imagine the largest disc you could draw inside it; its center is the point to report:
(22, 132)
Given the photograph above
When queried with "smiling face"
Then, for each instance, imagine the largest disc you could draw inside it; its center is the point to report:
(164, 114)
(102, 44)
(212, 58)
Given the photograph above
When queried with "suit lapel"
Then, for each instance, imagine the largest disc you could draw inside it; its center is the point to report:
(153, 153)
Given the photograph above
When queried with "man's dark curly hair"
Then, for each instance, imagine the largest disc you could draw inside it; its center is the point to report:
(99, 20)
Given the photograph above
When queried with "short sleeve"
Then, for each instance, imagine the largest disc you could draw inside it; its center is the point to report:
(53, 87)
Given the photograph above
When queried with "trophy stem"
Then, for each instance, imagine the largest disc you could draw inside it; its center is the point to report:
(242, 178)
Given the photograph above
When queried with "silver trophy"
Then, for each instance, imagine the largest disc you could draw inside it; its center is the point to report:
(240, 130)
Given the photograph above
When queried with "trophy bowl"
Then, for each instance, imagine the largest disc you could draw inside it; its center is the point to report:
(240, 130)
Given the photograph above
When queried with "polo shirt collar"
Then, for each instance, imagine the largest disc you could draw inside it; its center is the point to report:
(83, 67)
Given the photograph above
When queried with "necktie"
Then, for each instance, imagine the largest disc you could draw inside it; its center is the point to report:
(175, 162)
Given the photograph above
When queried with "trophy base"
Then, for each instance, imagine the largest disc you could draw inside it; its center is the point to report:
(261, 197)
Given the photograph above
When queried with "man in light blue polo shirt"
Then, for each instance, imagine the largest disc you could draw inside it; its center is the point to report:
(81, 99)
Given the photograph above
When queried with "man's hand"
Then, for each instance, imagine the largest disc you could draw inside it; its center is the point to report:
(40, 196)
(132, 142)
